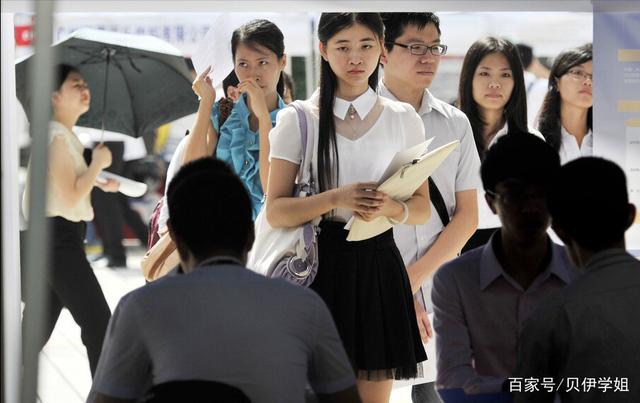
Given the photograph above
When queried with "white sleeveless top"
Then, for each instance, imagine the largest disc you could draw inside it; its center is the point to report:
(82, 211)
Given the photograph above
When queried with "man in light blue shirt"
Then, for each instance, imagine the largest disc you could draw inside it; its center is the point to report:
(482, 298)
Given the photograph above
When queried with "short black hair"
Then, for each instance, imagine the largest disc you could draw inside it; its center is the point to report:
(61, 73)
(520, 156)
(589, 200)
(209, 208)
(526, 54)
(396, 23)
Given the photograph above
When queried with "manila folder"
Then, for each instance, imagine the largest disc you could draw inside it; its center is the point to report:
(401, 186)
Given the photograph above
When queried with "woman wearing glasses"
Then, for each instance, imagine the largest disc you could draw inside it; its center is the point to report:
(566, 119)
(493, 96)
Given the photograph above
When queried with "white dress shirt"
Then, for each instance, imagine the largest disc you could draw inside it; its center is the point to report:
(460, 171)
(536, 92)
(569, 148)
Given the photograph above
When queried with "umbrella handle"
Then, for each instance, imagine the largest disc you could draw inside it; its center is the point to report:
(108, 53)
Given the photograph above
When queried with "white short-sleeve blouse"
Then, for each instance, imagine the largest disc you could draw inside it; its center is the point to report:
(361, 160)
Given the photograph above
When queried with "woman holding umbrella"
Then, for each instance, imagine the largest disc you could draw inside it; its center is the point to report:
(72, 283)
(242, 141)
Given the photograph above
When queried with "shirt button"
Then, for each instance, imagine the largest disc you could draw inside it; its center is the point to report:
(246, 162)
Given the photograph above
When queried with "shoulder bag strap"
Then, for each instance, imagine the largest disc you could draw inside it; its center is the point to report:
(438, 202)
(304, 171)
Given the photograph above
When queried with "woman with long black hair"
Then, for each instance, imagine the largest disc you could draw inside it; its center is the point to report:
(357, 133)
(493, 96)
(566, 118)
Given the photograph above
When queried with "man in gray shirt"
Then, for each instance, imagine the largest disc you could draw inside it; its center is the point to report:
(585, 345)
(218, 321)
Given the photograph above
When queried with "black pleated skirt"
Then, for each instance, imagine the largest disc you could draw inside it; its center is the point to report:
(366, 287)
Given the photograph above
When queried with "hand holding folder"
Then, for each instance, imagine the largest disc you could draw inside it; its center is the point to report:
(409, 171)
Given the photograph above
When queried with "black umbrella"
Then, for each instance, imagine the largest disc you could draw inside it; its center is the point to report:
(143, 81)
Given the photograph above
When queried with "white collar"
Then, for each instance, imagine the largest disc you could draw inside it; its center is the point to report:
(505, 130)
(429, 102)
(565, 133)
(363, 104)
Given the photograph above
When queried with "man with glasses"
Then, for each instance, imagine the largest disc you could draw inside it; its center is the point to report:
(413, 54)
(482, 298)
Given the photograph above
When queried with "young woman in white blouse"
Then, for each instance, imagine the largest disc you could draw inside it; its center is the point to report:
(72, 283)
(493, 96)
(566, 118)
(357, 133)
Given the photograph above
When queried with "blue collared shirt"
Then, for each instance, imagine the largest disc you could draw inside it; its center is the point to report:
(239, 146)
(479, 311)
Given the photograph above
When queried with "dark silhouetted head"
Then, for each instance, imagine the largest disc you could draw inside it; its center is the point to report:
(589, 203)
(516, 174)
(210, 211)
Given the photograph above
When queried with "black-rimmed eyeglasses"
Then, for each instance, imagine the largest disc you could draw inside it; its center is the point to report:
(420, 49)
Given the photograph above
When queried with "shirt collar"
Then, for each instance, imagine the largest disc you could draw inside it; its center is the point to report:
(363, 104)
(429, 102)
(491, 269)
(606, 258)
(588, 138)
(499, 133)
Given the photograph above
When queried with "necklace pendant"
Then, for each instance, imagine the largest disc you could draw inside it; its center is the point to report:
(351, 112)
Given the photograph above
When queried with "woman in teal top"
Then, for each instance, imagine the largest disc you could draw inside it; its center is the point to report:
(242, 141)
(239, 146)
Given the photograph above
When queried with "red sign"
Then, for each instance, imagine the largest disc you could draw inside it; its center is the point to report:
(24, 35)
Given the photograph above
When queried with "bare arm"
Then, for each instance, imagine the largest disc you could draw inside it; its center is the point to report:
(449, 242)
(286, 211)
(203, 138)
(74, 188)
(263, 157)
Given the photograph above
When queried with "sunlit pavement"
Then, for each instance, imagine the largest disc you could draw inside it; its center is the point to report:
(64, 369)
